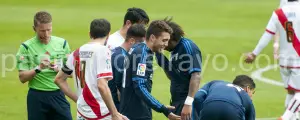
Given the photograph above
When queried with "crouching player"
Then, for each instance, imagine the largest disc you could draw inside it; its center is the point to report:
(220, 100)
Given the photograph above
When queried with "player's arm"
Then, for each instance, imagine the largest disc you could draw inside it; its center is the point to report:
(104, 74)
(106, 94)
(195, 70)
(61, 79)
(142, 92)
(250, 110)
(118, 81)
(199, 98)
(26, 73)
(264, 40)
(118, 65)
(195, 59)
(139, 78)
(61, 82)
(194, 85)
(268, 35)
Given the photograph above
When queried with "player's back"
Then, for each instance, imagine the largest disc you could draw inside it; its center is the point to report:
(288, 23)
(86, 61)
(226, 92)
(283, 2)
(115, 40)
(222, 100)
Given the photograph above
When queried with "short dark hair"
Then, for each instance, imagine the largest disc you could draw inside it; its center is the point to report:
(157, 27)
(99, 28)
(177, 30)
(42, 17)
(136, 15)
(136, 30)
(244, 81)
(292, 0)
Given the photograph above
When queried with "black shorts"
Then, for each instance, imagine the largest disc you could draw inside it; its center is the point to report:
(178, 106)
(47, 105)
(219, 110)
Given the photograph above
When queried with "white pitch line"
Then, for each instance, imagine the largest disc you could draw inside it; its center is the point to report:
(257, 75)
(266, 118)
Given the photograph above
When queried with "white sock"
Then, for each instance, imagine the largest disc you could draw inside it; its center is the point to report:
(293, 117)
(292, 107)
(288, 98)
(297, 115)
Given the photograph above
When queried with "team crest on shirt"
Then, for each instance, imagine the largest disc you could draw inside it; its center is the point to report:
(141, 71)
(151, 76)
(108, 65)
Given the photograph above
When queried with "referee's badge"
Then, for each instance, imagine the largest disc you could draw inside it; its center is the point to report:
(141, 71)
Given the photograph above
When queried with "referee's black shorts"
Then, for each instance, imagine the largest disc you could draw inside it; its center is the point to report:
(47, 105)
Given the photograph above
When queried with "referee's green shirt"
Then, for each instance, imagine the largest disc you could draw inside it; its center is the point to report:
(32, 51)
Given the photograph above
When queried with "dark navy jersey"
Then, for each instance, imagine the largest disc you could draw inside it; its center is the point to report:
(223, 91)
(185, 59)
(136, 98)
(117, 62)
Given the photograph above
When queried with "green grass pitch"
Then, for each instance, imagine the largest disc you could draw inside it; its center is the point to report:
(219, 27)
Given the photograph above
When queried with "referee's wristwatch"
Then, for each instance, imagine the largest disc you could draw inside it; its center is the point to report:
(37, 69)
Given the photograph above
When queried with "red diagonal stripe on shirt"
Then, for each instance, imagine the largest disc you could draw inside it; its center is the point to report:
(92, 102)
(283, 20)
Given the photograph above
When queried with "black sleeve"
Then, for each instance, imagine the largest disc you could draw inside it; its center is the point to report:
(162, 60)
(118, 72)
(164, 63)
(196, 59)
(250, 110)
(199, 98)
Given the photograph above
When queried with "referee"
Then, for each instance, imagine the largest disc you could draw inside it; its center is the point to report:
(39, 59)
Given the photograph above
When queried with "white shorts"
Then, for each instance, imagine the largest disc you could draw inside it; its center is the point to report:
(80, 117)
(290, 77)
